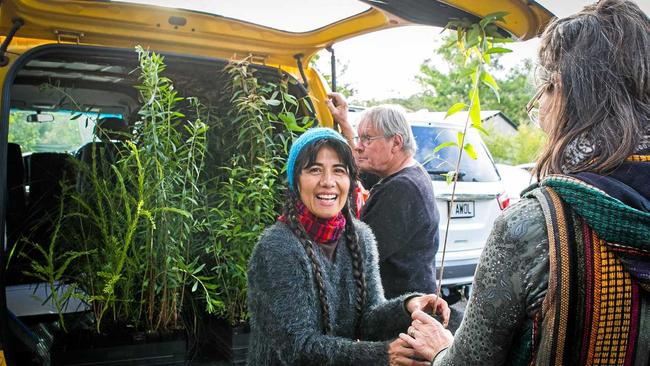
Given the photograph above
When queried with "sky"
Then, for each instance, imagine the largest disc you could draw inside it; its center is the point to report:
(380, 65)
(384, 64)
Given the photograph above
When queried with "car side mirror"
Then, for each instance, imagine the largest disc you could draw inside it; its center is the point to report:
(40, 117)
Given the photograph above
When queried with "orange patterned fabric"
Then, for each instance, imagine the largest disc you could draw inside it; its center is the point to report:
(611, 329)
(590, 315)
(639, 158)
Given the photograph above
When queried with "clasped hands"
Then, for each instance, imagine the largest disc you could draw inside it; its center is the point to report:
(425, 337)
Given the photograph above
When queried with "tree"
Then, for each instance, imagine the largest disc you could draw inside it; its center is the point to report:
(22, 133)
(341, 68)
(524, 147)
(442, 89)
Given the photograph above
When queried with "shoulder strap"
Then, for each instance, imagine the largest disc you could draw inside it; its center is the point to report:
(555, 313)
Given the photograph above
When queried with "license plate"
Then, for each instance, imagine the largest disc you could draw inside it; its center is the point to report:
(462, 209)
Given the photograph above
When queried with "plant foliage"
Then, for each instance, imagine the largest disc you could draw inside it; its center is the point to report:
(158, 229)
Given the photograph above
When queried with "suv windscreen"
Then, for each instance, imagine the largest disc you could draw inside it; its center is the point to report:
(428, 137)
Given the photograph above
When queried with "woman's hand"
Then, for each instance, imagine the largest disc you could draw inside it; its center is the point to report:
(427, 303)
(426, 336)
(400, 353)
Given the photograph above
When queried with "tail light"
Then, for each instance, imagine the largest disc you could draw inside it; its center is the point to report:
(503, 200)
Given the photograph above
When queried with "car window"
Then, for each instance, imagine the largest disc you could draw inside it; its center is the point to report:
(428, 137)
(61, 131)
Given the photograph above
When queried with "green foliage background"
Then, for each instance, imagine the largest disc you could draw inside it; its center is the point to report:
(521, 148)
(441, 89)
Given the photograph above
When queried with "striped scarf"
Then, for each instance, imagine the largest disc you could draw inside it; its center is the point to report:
(596, 310)
(322, 231)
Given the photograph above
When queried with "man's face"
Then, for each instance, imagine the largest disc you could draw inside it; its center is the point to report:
(374, 151)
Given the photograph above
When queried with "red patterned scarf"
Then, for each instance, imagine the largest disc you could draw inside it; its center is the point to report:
(322, 231)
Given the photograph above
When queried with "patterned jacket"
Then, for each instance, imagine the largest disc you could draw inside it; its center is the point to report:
(577, 296)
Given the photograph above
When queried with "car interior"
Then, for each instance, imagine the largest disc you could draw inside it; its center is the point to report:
(90, 94)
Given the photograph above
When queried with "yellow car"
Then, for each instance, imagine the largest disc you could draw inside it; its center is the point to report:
(64, 61)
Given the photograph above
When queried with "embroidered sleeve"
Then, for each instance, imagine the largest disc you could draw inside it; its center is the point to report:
(509, 285)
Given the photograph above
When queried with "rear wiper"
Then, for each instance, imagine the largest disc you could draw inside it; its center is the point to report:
(444, 172)
(437, 172)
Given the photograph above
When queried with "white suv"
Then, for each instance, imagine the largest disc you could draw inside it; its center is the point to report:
(480, 195)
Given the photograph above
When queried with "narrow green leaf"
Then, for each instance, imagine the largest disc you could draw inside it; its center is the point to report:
(195, 286)
(290, 99)
(475, 110)
(472, 37)
(498, 50)
(455, 109)
(443, 145)
(492, 17)
(469, 149)
(488, 80)
(459, 138)
(487, 59)
(482, 130)
(485, 76)
(502, 40)
(272, 102)
(449, 177)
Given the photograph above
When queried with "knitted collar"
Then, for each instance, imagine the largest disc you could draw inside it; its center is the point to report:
(583, 147)
(612, 219)
(322, 231)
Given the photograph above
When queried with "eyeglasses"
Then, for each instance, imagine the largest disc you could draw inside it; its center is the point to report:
(532, 108)
(365, 140)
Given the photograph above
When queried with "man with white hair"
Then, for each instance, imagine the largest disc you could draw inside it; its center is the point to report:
(401, 208)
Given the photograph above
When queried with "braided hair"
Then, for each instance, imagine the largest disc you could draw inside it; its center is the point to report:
(306, 158)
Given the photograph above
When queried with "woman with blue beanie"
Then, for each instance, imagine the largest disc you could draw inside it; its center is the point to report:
(314, 292)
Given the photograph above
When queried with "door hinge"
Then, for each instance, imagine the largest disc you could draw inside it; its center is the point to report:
(69, 36)
(258, 59)
(17, 23)
(252, 57)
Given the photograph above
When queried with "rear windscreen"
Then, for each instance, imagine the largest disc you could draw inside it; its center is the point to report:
(427, 137)
(61, 131)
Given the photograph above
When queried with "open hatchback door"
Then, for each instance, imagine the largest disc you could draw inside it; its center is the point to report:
(69, 66)
(283, 34)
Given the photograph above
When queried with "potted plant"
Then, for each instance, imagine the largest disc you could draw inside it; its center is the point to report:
(248, 195)
(158, 237)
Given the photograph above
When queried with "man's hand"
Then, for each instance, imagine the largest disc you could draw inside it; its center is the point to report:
(339, 109)
(401, 354)
(427, 303)
(338, 106)
(426, 336)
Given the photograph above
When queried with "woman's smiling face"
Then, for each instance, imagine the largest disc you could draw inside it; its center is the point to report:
(324, 185)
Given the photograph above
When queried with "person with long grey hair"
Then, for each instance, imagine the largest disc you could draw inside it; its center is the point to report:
(564, 278)
(314, 294)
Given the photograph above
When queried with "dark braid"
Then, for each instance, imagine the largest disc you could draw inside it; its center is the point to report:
(352, 240)
(305, 158)
(298, 230)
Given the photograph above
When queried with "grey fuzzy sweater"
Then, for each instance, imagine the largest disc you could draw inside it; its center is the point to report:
(286, 318)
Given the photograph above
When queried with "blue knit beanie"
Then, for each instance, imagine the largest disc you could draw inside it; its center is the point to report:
(309, 137)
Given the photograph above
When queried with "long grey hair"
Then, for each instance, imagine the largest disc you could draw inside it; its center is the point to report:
(601, 56)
